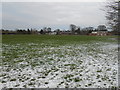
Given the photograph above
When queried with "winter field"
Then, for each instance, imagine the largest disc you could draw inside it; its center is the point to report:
(43, 61)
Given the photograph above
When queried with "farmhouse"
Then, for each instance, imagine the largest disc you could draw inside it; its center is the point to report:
(99, 33)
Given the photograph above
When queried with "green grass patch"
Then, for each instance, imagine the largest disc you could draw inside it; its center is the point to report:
(54, 39)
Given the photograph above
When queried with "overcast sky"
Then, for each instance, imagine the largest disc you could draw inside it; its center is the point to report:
(51, 14)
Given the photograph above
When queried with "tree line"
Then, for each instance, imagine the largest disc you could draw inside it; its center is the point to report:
(47, 30)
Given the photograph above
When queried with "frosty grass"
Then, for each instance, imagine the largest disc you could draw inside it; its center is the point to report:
(66, 66)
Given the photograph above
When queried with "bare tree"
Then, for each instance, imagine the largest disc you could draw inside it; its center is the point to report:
(73, 28)
(113, 14)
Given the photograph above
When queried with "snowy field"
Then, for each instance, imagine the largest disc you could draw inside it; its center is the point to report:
(43, 65)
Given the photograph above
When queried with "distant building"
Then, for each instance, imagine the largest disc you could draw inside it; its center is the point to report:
(99, 33)
(53, 33)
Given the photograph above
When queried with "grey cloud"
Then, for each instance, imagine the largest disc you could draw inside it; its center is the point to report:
(34, 14)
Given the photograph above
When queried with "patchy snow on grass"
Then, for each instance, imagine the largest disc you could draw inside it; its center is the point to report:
(40, 66)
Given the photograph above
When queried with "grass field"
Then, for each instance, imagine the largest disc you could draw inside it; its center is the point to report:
(59, 61)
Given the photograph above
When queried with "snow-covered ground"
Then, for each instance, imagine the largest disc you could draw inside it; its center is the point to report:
(41, 66)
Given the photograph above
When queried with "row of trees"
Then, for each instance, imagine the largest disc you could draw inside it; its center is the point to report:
(20, 31)
(77, 30)
(47, 30)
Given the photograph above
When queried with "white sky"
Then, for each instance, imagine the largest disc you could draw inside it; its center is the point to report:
(53, 0)
(51, 14)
